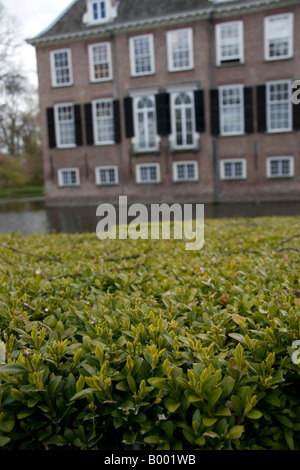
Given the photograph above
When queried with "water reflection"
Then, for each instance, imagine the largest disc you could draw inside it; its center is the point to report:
(33, 217)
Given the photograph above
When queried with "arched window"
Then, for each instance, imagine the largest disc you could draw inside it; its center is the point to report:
(183, 119)
(145, 123)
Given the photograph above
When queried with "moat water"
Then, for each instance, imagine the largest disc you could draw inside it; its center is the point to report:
(32, 216)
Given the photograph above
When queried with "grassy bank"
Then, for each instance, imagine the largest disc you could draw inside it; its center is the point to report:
(27, 191)
(144, 345)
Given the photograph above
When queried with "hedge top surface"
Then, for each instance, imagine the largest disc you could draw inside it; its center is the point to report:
(144, 345)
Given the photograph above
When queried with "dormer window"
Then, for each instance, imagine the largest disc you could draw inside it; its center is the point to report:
(100, 12)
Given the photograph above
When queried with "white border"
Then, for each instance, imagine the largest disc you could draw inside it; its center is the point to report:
(291, 28)
(268, 167)
(60, 180)
(233, 160)
(175, 174)
(95, 133)
(132, 56)
(268, 84)
(138, 176)
(170, 34)
(106, 167)
(53, 70)
(219, 41)
(221, 88)
(91, 62)
(57, 131)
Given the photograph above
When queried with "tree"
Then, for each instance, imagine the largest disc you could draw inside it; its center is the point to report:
(19, 117)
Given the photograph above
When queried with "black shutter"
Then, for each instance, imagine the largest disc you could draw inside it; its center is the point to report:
(296, 117)
(117, 121)
(199, 110)
(78, 124)
(214, 112)
(163, 113)
(261, 108)
(129, 128)
(51, 128)
(89, 123)
(248, 110)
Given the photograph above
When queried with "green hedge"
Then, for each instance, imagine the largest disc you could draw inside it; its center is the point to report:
(144, 345)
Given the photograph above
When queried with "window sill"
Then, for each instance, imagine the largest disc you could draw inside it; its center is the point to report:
(280, 177)
(102, 80)
(62, 86)
(184, 149)
(185, 181)
(278, 59)
(230, 64)
(148, 74)
(279, 132)
(147, 183)
(187, 69)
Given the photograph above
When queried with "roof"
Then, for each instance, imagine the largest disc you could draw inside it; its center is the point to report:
(139, 13)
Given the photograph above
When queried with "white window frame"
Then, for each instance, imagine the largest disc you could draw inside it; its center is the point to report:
(267, 38)
(239, 58)
(233, 161)
(288, 101)
(57, 125)
(186, 179)
(223, 107)
(138, 168)
(90, 12)
(92, 64)
(173, 136)
(135, 140)
(269, 163)
(134, 72)
(96, 119)
(107, 168)
(170, 41)
(60, 177)
(54, 82)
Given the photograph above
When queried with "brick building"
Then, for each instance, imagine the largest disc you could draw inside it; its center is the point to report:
(166, 100)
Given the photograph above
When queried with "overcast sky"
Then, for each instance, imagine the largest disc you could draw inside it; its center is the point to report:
(33, 16)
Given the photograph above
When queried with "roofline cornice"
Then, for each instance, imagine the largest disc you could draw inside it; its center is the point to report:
(217, 10)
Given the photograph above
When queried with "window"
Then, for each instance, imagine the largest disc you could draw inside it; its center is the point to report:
(231, 110)
(183, 120)
(142, 55)
(229, 40)
(68, 177)
(65, 125)
(180, 50)
(100, 62)
(100, 12)
(61, 70)
(280, 167)
(106, 175)
(145, 123)
(103, 122)
(233, 169)
(279, 107)
(279, 37)
(148, 173)
(185, 171)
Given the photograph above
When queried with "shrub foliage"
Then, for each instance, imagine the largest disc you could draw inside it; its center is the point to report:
(122, 344)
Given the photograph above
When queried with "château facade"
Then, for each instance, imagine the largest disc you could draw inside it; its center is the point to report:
(165, 100)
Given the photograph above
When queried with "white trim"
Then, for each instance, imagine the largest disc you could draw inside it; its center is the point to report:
(170, 35)
(60, 177)
(181, 87)
(240, 26)
(172, 136)
(93, 79)
(53, 69)
(186, 180)
(242, 131)
(135, 140)
(111, 167)
(133, 71)
(233, 160)
(57, 128)
(289, 101)
(147, 165)
(268, 167)
(290, 17)
(95, 119)
(88, 17)
(139, 92)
